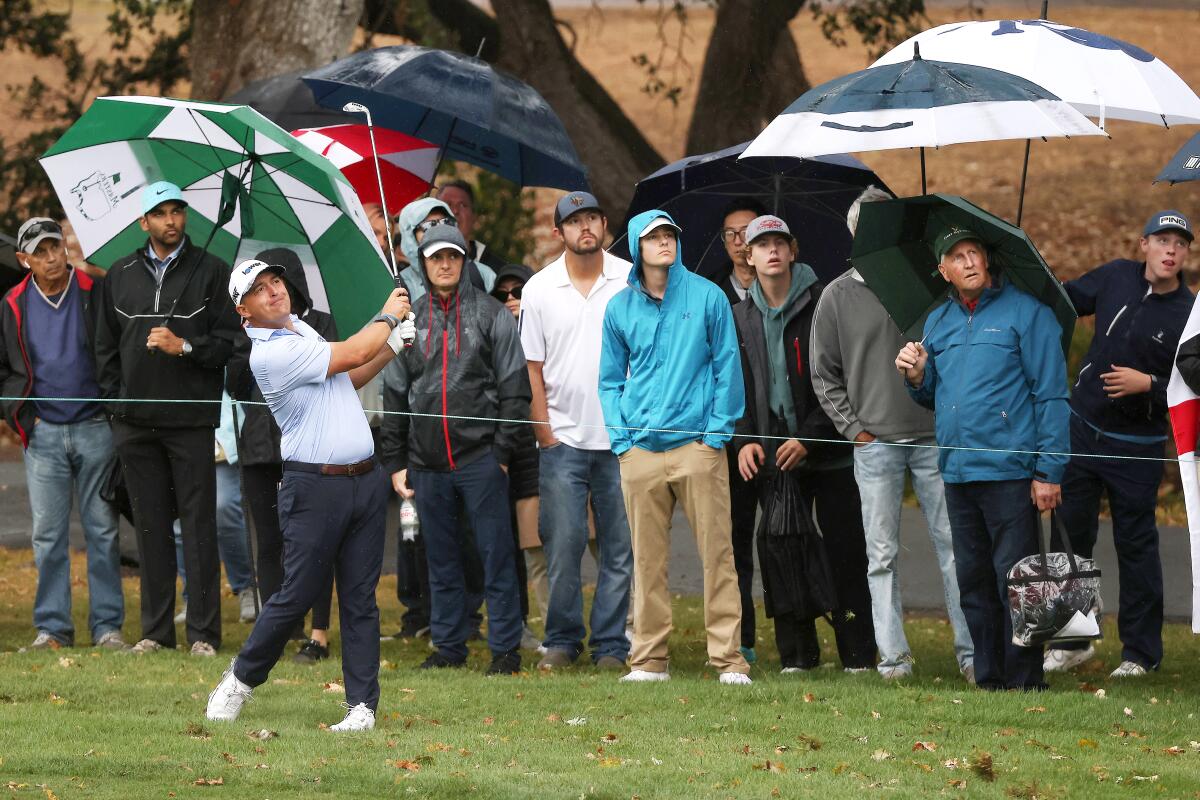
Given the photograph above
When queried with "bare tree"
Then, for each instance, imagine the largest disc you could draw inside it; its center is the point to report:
(245, 40)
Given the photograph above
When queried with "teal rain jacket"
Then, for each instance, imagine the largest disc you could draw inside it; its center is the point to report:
(996, 379)
(669, 369)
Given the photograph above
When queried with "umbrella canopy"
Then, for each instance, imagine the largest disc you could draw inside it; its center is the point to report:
(476, 113)
(893, 252)
(249, 186)
(407, 165)
(1100, 76)
(812, 195)
(917, 103)
(1184, 165)
(288, 102)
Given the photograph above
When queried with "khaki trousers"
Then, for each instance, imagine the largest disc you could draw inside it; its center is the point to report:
(698, 477)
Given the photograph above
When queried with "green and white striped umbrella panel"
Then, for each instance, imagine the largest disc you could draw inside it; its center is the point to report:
(286, 195)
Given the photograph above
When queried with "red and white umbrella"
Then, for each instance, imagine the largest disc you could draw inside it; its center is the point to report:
(407, 164)
(1185, 420)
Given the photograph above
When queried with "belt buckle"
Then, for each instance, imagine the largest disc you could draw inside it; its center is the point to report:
(353, 470)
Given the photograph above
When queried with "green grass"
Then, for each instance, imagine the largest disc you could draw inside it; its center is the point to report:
(83, 723)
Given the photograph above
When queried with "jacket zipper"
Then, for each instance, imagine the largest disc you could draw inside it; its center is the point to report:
(445, 409)
(1114, 320)
(799, 361)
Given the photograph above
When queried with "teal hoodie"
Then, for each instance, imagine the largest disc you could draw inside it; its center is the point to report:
(670, 370)
(774, 321)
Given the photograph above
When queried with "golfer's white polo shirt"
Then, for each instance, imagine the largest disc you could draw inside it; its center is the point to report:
(320, 417)
(562, 329)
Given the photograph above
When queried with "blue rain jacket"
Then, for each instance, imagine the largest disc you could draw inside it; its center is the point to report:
(997, 378)
(670, 366)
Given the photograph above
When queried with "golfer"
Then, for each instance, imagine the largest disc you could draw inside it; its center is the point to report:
(333, 497)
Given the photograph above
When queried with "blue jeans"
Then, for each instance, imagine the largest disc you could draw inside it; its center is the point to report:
(63, 460)
(567, 475)
(994, 524)
(231, 532)
(879, 469)
(482, 487)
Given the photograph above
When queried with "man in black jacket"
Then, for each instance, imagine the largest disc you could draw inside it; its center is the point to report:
(47, 324)
(259, 458)
(1119, 408)
(774, 326)
(467, 362)
(165, 332)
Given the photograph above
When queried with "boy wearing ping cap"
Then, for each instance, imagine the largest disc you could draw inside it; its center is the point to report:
(1119, 408)
(333, 497)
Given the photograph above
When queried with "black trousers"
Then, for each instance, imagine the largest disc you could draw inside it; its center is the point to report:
(833, 496)
(170, 472)
(743, 506)
(412, 578)
(261, 501)
(331, 523)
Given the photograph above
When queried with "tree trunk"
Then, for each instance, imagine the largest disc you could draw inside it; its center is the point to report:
(751, 72)
(617, 154)
(235, 42)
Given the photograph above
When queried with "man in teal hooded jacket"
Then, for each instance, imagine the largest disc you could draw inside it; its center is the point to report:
(671, 391)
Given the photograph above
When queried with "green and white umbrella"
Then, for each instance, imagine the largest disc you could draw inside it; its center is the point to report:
(249, 186)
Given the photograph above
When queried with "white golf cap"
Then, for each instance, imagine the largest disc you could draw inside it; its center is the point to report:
(436, 246)
(244, 275)
(659, 222)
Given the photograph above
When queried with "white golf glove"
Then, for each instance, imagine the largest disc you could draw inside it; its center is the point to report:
(404, 334)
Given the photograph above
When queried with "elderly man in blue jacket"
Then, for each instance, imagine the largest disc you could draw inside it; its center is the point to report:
(671, 391)
(992, 369)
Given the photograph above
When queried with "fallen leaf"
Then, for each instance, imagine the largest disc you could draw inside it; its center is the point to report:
(876, 715)
(1174, 751)
(779, 749)
(404, 763)
(65, 662)
(1089, 743)
(1036, 710)
(771, 766)
(438, 747)
(1101, 694)
(209, 782)
(880, 755)
(229, 757)
(809, 697)
(1129, 712)
(1088, 687)
(196, 731)
(983, 766)
(929, 746)
(262, 734)
(577, 721)
(489, 720)
(1153, 701)
(1007, 732)
(57, 700)
(609, 761)
(957, 702)
(950, 763)
(922, 766)
(956, 783)
(335, 687)
(656, 761)
(553, 718)
(812, 742)
(1145, 777)
(608, 737)
(1194, 745)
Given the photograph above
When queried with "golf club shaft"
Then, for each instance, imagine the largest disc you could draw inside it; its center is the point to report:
(387, 217)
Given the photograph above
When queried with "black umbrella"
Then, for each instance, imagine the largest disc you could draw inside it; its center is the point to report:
(811, 195)
(11, 272)
(288, 102)
(474, 112)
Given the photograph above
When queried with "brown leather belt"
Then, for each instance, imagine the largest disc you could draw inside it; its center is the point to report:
(348, 470)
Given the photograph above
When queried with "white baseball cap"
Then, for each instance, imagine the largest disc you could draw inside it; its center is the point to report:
(244, 275)
(659, 222)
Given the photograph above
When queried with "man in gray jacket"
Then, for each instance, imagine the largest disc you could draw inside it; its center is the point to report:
(853, 344)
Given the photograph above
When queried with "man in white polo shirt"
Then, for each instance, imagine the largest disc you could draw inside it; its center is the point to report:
(333, 497)
(562, 314)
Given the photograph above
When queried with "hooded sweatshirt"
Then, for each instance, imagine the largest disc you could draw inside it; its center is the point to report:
(670, 369)
(412, 215)
(774, 321)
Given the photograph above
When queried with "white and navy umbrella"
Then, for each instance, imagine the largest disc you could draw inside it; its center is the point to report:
(917, 103)
(1100, 76)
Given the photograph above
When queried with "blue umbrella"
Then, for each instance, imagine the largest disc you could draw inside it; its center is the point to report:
(1184, 165)
(812, 195)
(476, 113)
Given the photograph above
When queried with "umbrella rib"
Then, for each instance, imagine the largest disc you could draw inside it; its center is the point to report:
(171, 145)
(199, 127)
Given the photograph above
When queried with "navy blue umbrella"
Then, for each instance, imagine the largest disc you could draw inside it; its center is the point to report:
(811, 195)
(476, 113)
(1184, 165)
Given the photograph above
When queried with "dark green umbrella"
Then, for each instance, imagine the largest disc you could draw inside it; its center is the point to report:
(893, 252)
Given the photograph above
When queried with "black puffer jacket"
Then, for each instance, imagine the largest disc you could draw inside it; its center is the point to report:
(259, 442)
(196, 287)
(467, 361)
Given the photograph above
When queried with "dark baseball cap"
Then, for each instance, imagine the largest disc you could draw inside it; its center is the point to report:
(573, 202)
(950, 237)
(1168, 221)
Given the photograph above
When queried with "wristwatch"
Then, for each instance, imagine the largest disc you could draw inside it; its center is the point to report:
(187, 349)
(391, 319)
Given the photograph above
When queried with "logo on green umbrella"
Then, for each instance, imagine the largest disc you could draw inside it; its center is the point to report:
(97, 194)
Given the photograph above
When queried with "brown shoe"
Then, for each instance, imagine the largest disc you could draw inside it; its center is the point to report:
(556, 659)
(610, 663)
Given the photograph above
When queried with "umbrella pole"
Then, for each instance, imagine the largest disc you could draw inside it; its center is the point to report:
(923, 186)
(387, 217)
(1024, 175)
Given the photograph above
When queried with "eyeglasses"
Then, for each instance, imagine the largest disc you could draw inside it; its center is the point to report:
(503, 294)
(730, 234)
(425, 226)
(36, 230)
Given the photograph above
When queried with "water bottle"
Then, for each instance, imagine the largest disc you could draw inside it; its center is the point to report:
(408, 521)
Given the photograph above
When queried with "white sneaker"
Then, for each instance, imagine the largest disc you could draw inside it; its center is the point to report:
(246, 606)
(181, 617)
(856, 670)
(111, 641)
(1058, 660)
(358, 718)
(146, 646)
(227, 699)
(896, 672)
(203, 649)
(644, 676)
(1128, 669)
(792, 670)
(735, 679)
